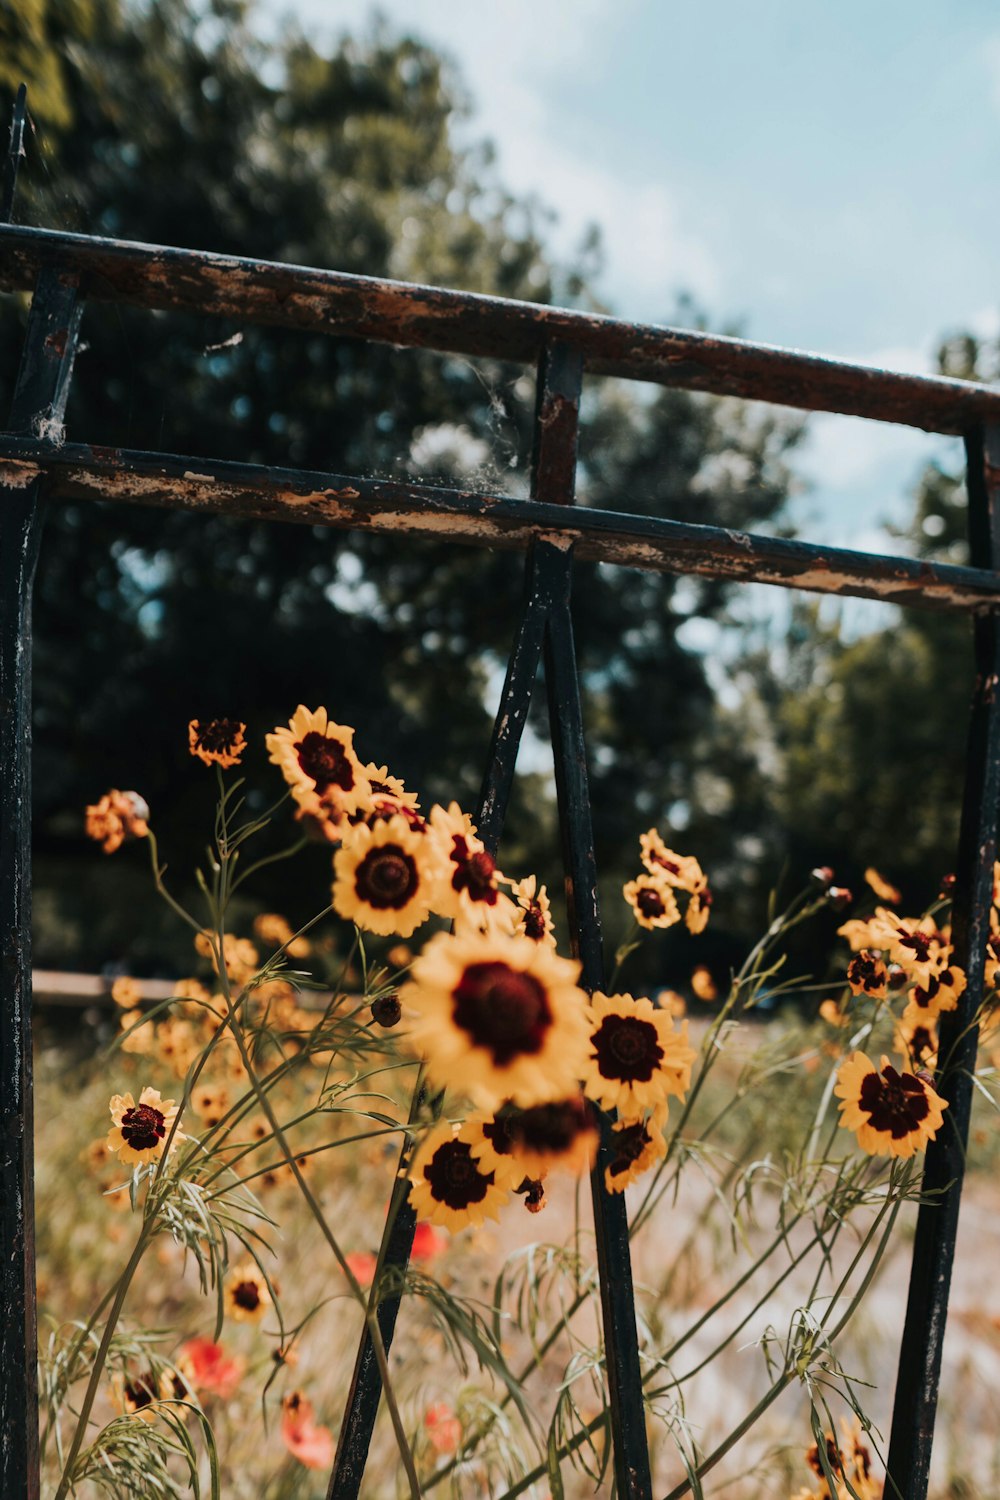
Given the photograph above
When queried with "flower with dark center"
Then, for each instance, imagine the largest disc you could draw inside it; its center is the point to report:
(562, 1134)
(679, 870)
(637, 1144)
(386, 1010)
(940, 992)
(139, 1131)
(638, 1057)
(386, 874)
(491, 1140)
(317, 759)
(450, 1185)
(892, 1114)
(533, 915)
(502, 1009)
(137, 1395)
(217, 741)
(653, 902)
(247, 1297)
(500, 1017)
(699, 907)
(868, 975)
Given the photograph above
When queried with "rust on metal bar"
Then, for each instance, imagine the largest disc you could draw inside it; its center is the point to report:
(415, 316)
(77, 472)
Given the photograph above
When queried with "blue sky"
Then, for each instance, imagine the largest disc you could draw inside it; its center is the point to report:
(817, 175)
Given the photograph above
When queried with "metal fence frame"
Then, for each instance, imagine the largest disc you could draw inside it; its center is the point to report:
(37, 467)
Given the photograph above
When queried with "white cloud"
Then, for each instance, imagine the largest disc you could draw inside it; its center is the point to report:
(515, 58)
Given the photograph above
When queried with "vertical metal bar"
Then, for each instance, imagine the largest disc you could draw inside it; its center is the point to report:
(397, 1239)
(624, 1374)
(38, 407)
(557, 412)
(915, 1404)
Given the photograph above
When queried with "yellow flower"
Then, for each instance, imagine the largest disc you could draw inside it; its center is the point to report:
(126, 992)
(317, 759)
(558, 1136)
(883, 890)
(703, 984)
(468, 884)
(210, 1101)
(247, 1297)
(832, 1014)
(940, 991)
(491, 1141)
(653, 901)
(388, 789)
(680, 870)
(217, 741)
(638, 1145)
(500, 1017)
(118, 816)
(274, 931)
(868, 975)
(875, 933)
(386, 877)
(892, 1114)
(533, 917)
(637, 1058)
(139, 1131)
(916, 1039)
(696, 916)
(450, 1185)
(136, 1036)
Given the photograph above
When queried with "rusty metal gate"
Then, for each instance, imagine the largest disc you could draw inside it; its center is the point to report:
(38, 466)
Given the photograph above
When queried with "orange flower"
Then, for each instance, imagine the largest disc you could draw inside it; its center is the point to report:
(703, 984)
(207, 1368)
(883, 890)
(118, 816)
(311, 1444)
(217, 741)
(317, 759)
(892, 1114)
(443, 1428)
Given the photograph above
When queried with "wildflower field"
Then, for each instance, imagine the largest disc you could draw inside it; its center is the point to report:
(213, 1178)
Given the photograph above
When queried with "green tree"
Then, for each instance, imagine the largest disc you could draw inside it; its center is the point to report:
(182, 126)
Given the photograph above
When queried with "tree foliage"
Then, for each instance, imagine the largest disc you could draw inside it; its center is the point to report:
(172, 121)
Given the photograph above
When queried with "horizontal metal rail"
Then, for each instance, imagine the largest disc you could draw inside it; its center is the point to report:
(414, 316)
(75, 471)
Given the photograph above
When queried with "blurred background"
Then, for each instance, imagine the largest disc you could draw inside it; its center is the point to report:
(819, 180)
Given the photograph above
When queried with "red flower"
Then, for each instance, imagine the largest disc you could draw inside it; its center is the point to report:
(443, 1428)
(207, 1368)
(310, 1444)
(428, 1241)
(363, 1265)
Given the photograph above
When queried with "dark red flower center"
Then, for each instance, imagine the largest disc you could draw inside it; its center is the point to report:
(326, 761)
(534, 922)
(246, 1294)
(666, 864)
(918, 942)
(630, 1142)
(833, 1458)
(551, 1127)
(922, 1043)
(896, 1102)
(627, 1048)
(140, 1392)
(650, 902)
(867, 971)
(502, 1009)
(143, 1127)
(474, 872)
(217, 736)
(386, 877)
(455, 1176)
(499, 1133)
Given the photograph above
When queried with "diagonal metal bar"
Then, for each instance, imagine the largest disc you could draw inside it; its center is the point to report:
(14, 153)
(39, 404)
(915, 1404)
(365, 1391)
